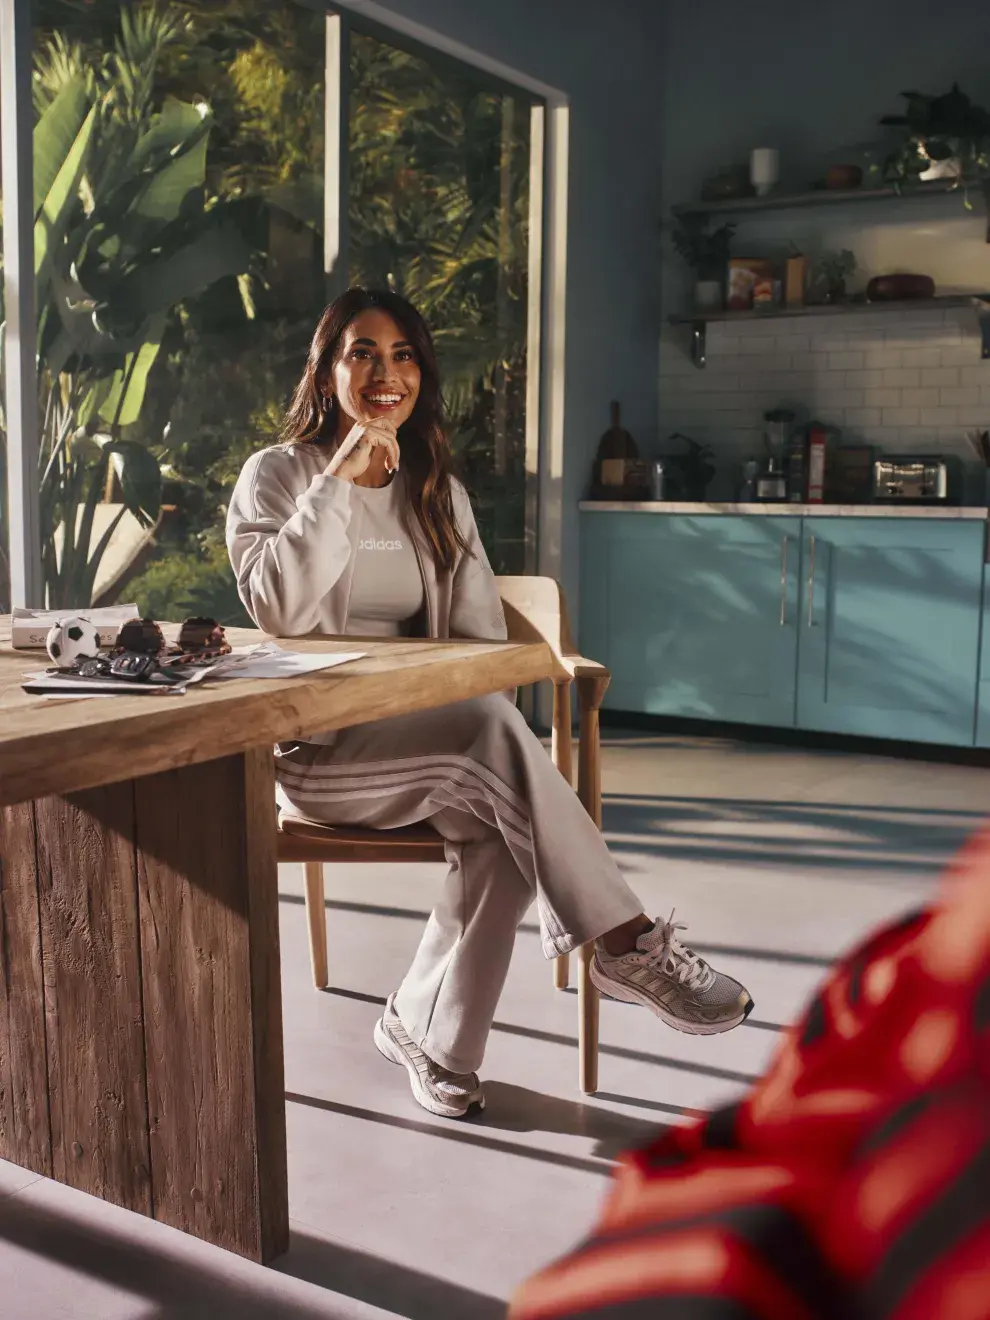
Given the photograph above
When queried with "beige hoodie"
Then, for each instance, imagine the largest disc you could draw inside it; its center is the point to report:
(291, 535)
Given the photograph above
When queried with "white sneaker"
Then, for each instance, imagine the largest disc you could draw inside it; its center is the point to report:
(673, 982)
(448, 1094)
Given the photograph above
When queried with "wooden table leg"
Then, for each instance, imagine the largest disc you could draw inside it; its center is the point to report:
(140, 1004)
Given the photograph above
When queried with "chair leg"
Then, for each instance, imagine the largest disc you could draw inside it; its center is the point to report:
(587, 1023)
(316, 918)
(561, 971)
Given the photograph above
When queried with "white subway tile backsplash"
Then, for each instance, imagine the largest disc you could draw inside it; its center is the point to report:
(883, 357)
(973, 417)
(941, 416)
(844, 361)
(900, 417)
(960, 396)
(895, 381)
(900, 377)
(883, 398)
(921, 357)
(964, 355)
(752, 345)
(922, 398)
(940, 376)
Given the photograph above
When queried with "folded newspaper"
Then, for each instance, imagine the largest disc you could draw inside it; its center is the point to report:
(264, 660)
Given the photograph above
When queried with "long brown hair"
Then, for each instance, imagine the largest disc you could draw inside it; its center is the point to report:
(426, 458)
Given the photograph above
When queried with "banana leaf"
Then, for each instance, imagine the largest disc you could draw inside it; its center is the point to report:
(122, 404)
(59, 202)
(54, 134)
(174, 126)
(219, 251)
(139, 475)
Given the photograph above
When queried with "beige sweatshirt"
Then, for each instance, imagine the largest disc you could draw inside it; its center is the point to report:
(292, 533)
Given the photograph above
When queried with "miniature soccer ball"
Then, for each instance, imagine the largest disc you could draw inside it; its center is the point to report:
(71, 639)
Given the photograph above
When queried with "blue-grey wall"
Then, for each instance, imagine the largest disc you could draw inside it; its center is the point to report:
(806, 78)
(605, 59)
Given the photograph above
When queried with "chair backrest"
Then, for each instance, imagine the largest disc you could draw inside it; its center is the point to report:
(536, 611)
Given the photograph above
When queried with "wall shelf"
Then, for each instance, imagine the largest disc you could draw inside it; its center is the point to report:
(698, 320)
(816, 197)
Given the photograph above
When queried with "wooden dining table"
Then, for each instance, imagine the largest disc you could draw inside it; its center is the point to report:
(140, 1003)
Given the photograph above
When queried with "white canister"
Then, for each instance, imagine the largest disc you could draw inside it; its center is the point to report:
(764, 169)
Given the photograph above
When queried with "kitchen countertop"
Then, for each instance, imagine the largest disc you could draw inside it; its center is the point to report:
(953, 511)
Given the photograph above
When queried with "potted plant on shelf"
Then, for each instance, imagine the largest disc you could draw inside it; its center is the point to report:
(707, 253)
(831, 271)
(945, 137)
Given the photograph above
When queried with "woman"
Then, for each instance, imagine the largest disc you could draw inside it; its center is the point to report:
(353, 524)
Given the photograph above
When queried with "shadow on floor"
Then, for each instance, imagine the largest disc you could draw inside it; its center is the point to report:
(517, 1109)
(174, 1287)
(798, 835)
(570, 1042)
(381, 1283)
(469, 1132)
(528, 928)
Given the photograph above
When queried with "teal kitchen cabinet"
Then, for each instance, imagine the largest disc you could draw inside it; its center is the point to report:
(694, 615)
(889, 632)
(983, 688)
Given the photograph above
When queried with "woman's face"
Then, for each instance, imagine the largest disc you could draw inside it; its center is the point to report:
(376, 373)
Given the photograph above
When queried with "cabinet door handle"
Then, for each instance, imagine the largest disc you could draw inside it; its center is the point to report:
(783, 581)
(811, 583)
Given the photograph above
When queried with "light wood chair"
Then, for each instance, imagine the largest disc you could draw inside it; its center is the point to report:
(535, 610)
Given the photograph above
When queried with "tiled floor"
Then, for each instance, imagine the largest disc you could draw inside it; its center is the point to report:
(778, 858)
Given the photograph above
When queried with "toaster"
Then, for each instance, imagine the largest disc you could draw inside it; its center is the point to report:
(911, 479)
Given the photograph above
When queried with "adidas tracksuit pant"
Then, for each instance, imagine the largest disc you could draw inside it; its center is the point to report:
(515, 831)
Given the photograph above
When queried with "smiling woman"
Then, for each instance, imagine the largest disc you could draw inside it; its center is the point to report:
(370, 398)
(326, 536)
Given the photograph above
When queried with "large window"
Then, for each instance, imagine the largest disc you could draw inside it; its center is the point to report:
(438, 209)
(182, 151)
(183, 253)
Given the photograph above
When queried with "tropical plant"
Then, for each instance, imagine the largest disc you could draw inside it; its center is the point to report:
(831, 270)
(122, 237)
(948, 130)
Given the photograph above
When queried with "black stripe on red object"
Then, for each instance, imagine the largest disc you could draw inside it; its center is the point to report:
(894, 1124)
(720, 1128)
(680, 1307)
(773, 1234)
(945, 1223)
(856, 971)
(815, 1023)
(981, 1007)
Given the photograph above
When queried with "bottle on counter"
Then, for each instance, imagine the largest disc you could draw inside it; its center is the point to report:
(796, 469)
(817, 440)
(658, 480)
(613, 463)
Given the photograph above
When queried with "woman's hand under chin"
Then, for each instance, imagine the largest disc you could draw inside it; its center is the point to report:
(355, 454)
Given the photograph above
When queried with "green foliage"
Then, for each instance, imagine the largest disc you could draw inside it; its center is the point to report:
(122, 237)
(833, 268)
(936, 129)
(706, 252)
(198, 216)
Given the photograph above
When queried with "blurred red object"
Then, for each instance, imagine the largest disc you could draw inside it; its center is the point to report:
(852, 1181)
